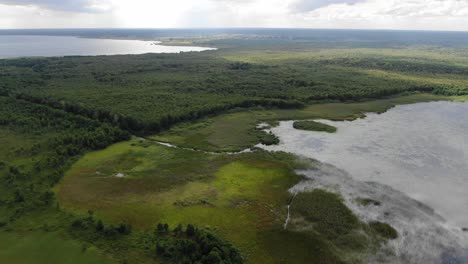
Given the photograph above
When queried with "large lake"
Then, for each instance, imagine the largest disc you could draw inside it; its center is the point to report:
(420, 151)
(12, 46)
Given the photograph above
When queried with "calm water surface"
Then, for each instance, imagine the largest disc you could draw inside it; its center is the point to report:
(48, 46)
(419, 149)
(413, 159)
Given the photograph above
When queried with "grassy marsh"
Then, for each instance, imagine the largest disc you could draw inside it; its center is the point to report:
(239, 196)
(237, 131)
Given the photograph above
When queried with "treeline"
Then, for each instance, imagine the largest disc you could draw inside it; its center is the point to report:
(94, 229)
(145, 94)
(181, 244)
(56, 139)
(167, 120)
(400, 65)
(72, 131)
(344, 96)
(193, 245)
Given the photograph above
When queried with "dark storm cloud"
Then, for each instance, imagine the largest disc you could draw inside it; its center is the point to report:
(309, 5)
(62, 5)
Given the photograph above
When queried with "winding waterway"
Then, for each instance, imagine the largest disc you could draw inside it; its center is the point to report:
(12, 46)
(413, 159)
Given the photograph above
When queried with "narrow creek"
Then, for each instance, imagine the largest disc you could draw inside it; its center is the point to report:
(286, 222)
(169, 145)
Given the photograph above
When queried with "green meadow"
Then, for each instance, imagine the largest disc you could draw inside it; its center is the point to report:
(47, 247)
(238, 196)
(241, 197)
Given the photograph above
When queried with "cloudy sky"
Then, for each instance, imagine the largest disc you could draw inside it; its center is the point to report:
(368, 14)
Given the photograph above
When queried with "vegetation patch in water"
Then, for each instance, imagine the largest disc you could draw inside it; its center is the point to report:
(268, 139)
(383, 229)
(326, 211)
(314, 126)
(368, 201)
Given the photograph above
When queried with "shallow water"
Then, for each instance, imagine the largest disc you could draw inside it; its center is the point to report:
(417, 157)
(52, 46)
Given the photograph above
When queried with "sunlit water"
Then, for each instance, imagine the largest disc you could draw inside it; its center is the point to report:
(52, 46)
(413, 158)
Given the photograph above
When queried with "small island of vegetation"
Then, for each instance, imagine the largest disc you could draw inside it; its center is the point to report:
(314, 126)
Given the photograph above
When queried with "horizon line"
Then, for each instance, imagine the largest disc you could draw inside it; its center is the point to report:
(236, 28)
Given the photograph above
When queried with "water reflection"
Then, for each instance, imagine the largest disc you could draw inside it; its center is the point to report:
(31, 46)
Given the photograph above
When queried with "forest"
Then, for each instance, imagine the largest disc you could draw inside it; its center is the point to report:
(169, 88)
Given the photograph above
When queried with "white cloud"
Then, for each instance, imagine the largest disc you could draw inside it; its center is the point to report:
(309, 5)
(393, 14)
(63, 5)
(388, 14)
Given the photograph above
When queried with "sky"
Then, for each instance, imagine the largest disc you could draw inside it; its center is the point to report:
(348, 14)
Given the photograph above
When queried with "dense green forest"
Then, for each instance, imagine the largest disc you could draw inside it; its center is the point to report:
(170, 88)
(54, 138)
(54, 111)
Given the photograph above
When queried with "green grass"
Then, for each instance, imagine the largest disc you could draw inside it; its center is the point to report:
(314, 126)
(298, 247)
(47, 248)
(221, 133)
(240, 197)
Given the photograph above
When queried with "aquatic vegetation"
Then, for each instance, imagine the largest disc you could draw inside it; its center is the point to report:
(314, 126)
(331, 217)
(384, 229)
(368, 201)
